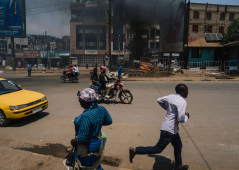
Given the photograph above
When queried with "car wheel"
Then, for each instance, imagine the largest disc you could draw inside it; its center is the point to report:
(3, 120)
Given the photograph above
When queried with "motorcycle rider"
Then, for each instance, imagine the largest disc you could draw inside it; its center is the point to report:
(104, 80)
(70, 75)
(95, 80)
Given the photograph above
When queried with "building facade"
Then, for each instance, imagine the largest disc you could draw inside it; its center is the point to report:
(89, 32)
(208, 18)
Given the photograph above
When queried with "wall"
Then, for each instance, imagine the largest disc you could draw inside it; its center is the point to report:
(207, 55)
(215, 22)
(234, 53)
(17, 41)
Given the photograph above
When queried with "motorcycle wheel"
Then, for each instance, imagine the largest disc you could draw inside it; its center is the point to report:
(75, 80)
(126, 97)
(63, 79)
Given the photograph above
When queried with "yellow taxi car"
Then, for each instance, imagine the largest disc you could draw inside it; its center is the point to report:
(16, 102)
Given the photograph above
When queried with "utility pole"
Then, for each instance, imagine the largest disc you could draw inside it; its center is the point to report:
(110, 57)
(119, 40)
(47, 51)
(155, 33)
(13, 54)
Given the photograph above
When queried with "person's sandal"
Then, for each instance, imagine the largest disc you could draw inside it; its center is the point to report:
(131, 154)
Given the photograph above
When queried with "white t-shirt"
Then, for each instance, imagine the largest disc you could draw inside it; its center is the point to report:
(76, 70)
(175, 105)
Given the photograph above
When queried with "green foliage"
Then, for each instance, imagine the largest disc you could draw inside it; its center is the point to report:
(232, 34)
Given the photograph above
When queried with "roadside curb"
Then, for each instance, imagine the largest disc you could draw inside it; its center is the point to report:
(185, 80)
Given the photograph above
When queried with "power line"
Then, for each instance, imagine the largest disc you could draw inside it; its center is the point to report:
(64, 8)
(47, 11)
(48, 6)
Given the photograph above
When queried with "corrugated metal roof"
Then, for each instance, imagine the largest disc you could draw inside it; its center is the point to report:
(236, 43)
(203, 43)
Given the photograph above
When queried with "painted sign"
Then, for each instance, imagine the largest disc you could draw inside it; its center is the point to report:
(90, 51)
(212, 68)
(233, 68)
(27, 54)
(194, 69)
(12, 18)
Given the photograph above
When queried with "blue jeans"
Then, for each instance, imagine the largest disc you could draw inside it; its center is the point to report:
(165, 139)
(99, 87)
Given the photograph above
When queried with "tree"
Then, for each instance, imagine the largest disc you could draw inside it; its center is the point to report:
(232, 34)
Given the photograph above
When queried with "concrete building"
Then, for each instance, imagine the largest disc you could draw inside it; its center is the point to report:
(20, 44)
(89, 32)
(3, 51)
(208, 18)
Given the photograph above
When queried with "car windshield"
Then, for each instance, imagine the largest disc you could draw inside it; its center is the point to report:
(7, 86)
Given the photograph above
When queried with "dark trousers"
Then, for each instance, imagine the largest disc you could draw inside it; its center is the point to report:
(165, 139)
(29, 72)
(99, 87)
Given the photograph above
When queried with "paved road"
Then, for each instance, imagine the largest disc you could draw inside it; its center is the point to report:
(210, 138)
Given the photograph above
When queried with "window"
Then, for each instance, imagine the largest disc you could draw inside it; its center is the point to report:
(231, 17)
(221, 29)
(196, 15)
(209, 15)
(228, 28)
(196, 53)
(2, 48)
(208, 29)
(222, 16)
(195, 28)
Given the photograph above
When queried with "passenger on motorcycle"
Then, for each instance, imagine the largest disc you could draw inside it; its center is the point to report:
(104, 80)
(70, 75)
(95, 80)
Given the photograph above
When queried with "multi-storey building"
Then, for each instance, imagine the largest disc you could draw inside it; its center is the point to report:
(209, 18)
(89, 31)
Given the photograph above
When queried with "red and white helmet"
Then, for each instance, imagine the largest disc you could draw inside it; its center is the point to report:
(102, 68)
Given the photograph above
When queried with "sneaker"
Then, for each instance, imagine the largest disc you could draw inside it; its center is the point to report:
(107, 97)
(183, 167)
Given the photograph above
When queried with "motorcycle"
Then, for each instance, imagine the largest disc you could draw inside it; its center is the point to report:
(73, 78)
(124, 95)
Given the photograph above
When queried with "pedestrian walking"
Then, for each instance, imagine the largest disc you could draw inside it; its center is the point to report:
(120, 70)
(29, 69)
(175, 105)
(88, 130)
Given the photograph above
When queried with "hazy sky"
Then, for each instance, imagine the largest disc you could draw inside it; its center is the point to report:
(57, 22)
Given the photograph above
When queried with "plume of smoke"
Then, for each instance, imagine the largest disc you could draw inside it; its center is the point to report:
(48, 20)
